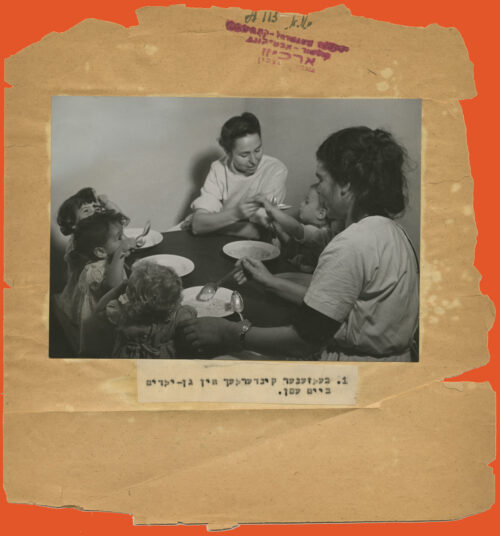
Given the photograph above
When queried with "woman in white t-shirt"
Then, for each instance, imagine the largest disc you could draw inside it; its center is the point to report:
(362, 303)
(226, 201)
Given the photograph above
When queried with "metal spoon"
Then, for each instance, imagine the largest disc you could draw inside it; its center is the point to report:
(237, 303)
(141, 240)
(281, 206)
(208, 291)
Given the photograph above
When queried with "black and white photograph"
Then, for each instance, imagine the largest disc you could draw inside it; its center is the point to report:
(235, 228)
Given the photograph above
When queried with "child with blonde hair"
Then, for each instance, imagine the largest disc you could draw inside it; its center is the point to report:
(146, 314)
(303, 239)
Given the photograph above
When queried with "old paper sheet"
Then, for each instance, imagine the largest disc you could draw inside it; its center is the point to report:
(413, 448)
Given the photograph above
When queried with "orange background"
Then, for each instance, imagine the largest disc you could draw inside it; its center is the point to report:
(25, 22)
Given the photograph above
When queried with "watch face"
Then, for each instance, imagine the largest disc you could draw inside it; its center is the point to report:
(244, 328)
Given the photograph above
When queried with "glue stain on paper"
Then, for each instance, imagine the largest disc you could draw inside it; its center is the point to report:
(45, 310)
(124, 387)
(151, 50)
(390, 81)
(466, 276)
(438, 309)
(387, 72)
(436, 276)
(382, 86)
(467, 210)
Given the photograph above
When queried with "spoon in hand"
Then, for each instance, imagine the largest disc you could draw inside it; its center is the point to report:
(208, 291)
(237, 303)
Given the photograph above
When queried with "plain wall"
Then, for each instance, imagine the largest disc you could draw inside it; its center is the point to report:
(150, 155)
(293, 130)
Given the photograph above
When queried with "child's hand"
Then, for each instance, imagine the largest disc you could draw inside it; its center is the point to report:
(107, 204)
(262, 199)
(269, 208)
(125, 248)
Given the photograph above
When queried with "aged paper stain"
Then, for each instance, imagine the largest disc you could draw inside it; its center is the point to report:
(74, 431)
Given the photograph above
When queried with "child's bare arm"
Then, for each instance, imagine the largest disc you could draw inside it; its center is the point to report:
(112, 294)
(283, 237)
(114, 273)
(107, 203)
(289, 224)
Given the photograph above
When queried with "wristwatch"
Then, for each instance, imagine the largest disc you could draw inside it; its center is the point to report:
(245, 327)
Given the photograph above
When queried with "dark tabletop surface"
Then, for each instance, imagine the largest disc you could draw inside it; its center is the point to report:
(211, 263)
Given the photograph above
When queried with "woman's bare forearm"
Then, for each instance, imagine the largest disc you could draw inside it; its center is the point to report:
(208, 222)
(288, 290)
(244, 229)
(280, 342)
(227, 221)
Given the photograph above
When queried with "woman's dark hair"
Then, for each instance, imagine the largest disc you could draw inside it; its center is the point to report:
(66, 215)
(372, 163)
(238, 126)
(93, 232)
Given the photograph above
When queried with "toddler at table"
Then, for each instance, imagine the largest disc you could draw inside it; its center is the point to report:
(99, 255)
(145, 313)
(304, 239)
(74, 209)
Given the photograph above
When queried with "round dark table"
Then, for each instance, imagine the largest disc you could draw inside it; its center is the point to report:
(211, 263)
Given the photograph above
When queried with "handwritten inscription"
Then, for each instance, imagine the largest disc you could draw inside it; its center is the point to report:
(278, 47)
(230, 382)
(297, 21)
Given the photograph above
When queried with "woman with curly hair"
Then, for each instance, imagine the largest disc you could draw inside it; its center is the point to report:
(362, 302)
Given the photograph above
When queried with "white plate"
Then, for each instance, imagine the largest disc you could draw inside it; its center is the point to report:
(219, 305)
(180, 265)
(152, 238)
(261, 251)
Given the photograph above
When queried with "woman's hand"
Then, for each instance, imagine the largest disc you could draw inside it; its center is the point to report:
(208, 333)
(263, 200)
(252, 269)
(268, 206)
(246, 208)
